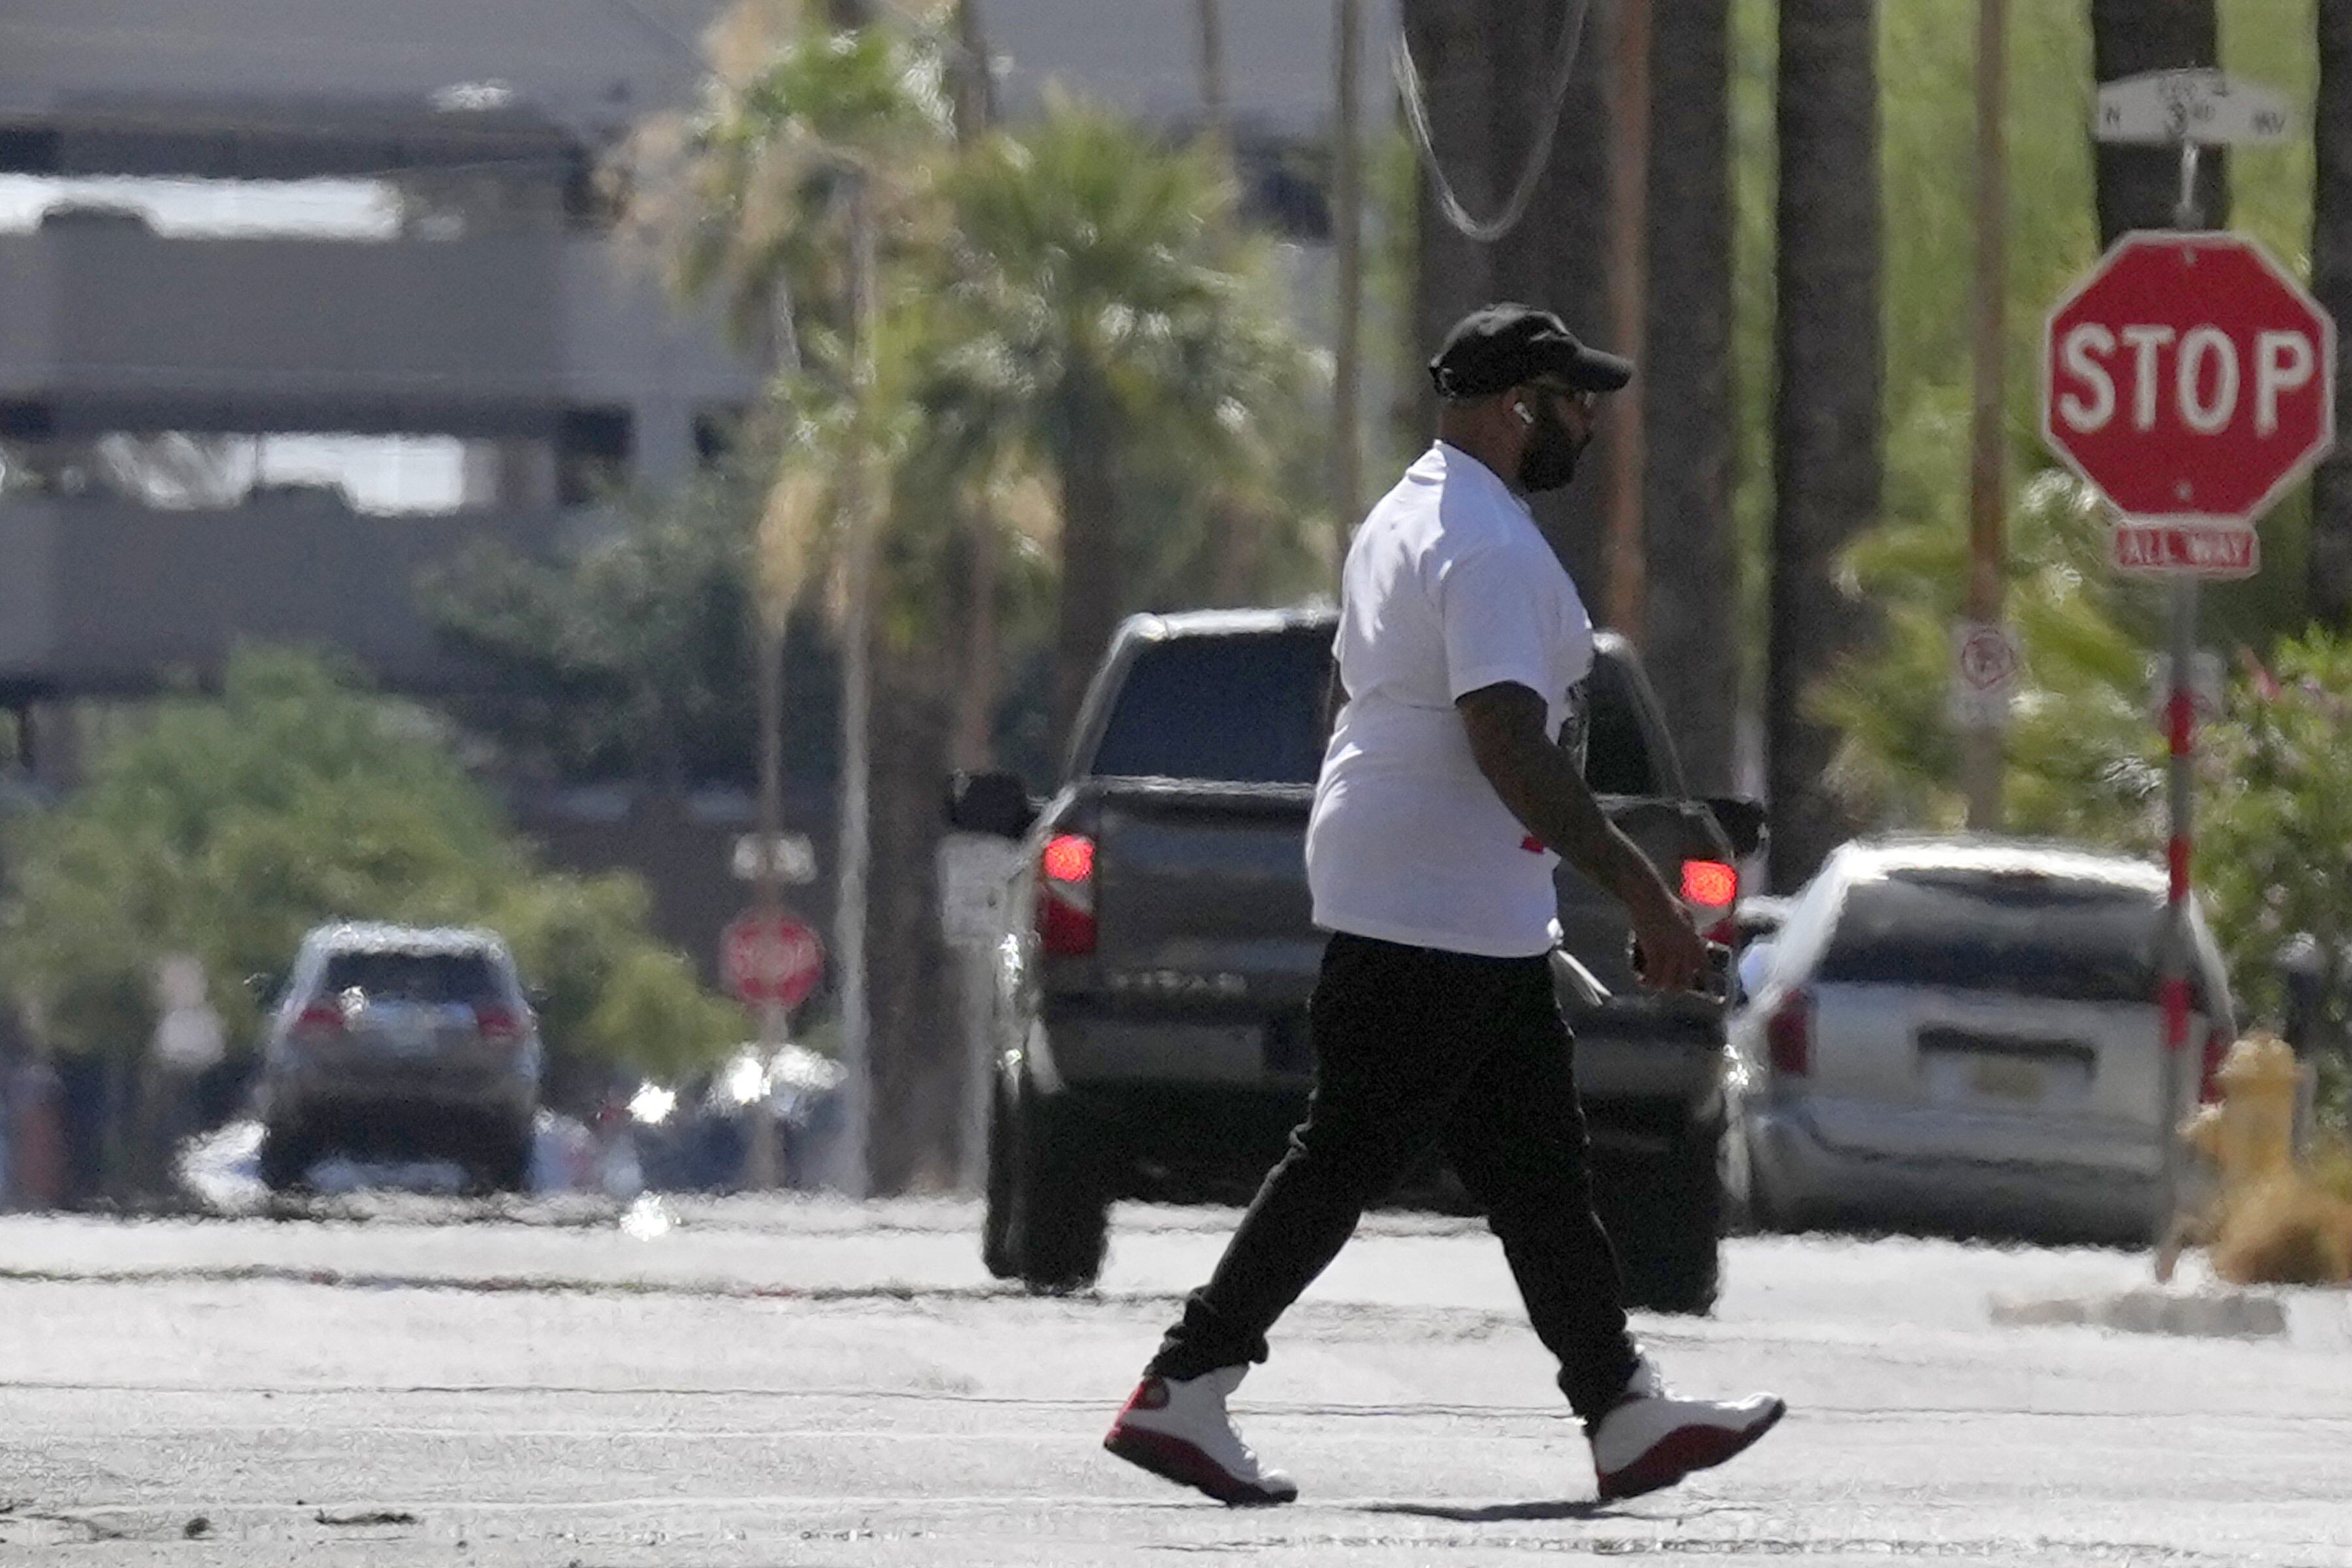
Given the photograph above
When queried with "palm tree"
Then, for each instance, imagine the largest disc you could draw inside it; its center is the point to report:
(1826, 437)
(803, 196)
(1115, 317)
(1040, 303)
(2331, 275)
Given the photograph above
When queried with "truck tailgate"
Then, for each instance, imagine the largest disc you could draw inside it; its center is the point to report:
(1203, 894)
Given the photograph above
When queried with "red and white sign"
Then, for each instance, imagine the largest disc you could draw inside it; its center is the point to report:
(1985, 664)
(2186, 549)
(773, 961)
(2189, 378)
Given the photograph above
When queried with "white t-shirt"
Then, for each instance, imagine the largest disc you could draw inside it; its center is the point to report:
(1447, 588)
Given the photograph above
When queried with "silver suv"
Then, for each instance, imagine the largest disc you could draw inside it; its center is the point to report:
(1965, 1032)
(401, 1040)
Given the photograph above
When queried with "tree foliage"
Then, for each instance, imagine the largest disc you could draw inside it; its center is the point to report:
(2275, 835)
(226, 828)
(1131, 338)
(632, 659)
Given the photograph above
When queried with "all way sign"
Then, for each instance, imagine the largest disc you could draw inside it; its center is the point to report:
(2199, 548)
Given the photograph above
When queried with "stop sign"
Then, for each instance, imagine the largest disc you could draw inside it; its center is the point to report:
(2188, 376)
(771, 959)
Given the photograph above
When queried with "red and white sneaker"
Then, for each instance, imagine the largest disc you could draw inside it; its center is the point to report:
(1652, 1437)
(1178, 1429)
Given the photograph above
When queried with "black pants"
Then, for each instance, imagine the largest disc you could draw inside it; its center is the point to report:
(1415, 1046)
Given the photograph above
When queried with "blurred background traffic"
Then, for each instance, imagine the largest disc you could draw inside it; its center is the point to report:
(513, 513)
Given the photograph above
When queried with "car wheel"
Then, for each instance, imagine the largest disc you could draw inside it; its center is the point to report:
(500, 1159)
(1667, 1217)
(288, 1152)
(997, 1252)
(1059, 1221)
(1769, 1211)
(1735, 1178)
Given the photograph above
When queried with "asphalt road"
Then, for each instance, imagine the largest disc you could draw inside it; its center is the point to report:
(385, 1380)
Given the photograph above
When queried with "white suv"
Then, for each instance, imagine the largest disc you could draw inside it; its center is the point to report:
(400, 1041)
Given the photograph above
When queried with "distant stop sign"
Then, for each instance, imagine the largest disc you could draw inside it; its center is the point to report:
(2188, 376)
(770, 960)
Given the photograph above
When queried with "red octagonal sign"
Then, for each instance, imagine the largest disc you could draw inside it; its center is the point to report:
(770, 960)
(2190, 376)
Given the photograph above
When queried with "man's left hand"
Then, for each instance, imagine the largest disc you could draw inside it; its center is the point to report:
(1672, 955)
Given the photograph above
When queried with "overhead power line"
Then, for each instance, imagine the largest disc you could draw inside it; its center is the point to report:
(1487, 231)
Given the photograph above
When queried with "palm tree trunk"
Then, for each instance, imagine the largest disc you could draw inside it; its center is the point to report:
(1686, 390)
(2138, 186)
(976, 700)
(2331, 267)
(1826, 435)
(975, 691)
(1093, 595)
(916, 1049)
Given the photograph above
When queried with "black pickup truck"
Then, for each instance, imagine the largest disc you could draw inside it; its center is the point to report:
(1149, 1022)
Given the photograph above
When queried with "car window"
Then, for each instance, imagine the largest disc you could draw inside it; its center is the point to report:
(1798, 942)
(1234, 709)
(2017, 933)
(392, 975)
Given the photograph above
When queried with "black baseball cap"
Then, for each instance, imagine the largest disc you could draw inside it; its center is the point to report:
(1502, 346)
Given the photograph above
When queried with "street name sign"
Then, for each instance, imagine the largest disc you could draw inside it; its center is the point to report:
(2201, 106)
(793, 856)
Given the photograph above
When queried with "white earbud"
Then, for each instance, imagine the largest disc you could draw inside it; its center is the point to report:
(1521, 410)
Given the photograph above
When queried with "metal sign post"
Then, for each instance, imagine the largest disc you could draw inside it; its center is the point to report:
(2183, 539)
(2181, 781)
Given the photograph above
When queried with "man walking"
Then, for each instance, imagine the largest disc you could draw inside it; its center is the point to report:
(1445, 804)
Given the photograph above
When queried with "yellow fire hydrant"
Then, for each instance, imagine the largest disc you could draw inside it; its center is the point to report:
(2267, 1221)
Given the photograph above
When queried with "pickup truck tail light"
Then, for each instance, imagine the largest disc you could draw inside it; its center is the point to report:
(1711, 887)
(1788, 1035)
(1065, 896)
(319, 1018)
(498, 1024)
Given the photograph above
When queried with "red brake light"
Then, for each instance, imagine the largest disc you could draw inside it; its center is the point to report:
(1070, 857)
(1788, 1035)
(1065, 896)
(497, 1022)
(1710, 884)
(320, 1015)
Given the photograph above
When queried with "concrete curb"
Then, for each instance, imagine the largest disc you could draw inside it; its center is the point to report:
(2219, 1315)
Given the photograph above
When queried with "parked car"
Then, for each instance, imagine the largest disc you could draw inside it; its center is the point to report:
(696, 1137)
(1965, 1033)
(400, 1041)
(1148, 1023)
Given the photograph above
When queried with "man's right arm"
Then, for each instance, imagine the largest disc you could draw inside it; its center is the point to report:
(1543, 788)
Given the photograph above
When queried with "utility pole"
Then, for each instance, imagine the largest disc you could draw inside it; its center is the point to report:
(778, 341)
(1216, 105)
(768, 891)
(1981, 758)
(1629, 296)
(858, 713)
(1346, 222)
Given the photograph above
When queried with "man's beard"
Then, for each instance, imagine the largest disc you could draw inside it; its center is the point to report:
(1549, 460)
